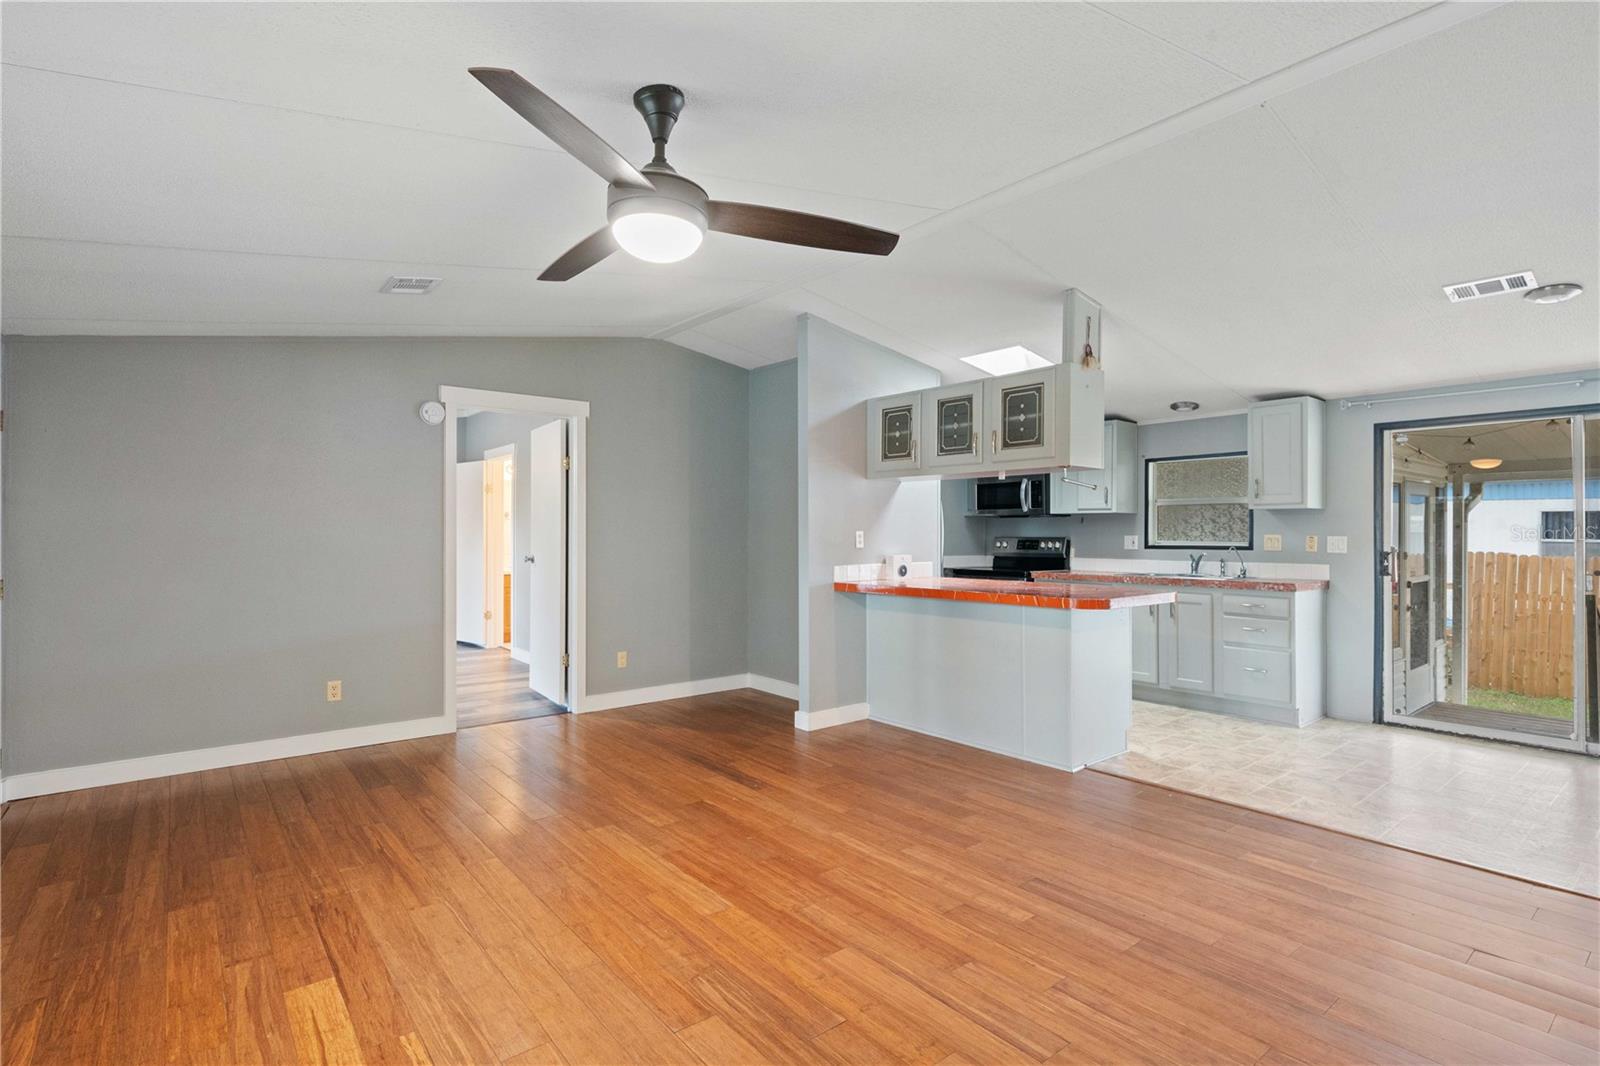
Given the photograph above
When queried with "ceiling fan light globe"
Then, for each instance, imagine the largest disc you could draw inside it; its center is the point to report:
(657, 229)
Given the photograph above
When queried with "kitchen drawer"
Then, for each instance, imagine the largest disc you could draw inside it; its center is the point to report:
(1257, 674)
(1255, 605)
(1260, 632)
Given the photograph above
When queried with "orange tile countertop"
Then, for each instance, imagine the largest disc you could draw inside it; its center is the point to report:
(1246, 584)
(1060, 595)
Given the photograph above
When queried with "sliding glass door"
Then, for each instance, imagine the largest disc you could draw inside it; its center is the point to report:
(1488, 566)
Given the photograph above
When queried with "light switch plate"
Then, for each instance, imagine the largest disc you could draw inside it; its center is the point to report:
(1338, 545)
(1131, 541)
(1311, 542)
(1272, 542)
(861, 538)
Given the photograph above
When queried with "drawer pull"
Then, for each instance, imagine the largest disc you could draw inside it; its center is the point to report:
(1247, 603)
(1255, 669)
(1252, 629)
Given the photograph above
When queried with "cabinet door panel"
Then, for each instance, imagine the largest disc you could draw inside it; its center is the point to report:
(894, 431)
(1277, 454)
(1021, 417)
(1146, 657)
(1187, 648)
(954, 418)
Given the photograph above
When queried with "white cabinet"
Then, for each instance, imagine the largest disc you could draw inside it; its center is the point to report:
(1023, 423)
(1020, 410)
(954, 417)
(1146, 655)
(894, 435)
(1113, 489)
(1186, 645)
(1286, 457)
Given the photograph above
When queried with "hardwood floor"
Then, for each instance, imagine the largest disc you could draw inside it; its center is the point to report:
(491, 687)
(697, 881)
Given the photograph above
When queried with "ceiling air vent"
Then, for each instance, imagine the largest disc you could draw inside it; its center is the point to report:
(410, 286)
(1473, 290)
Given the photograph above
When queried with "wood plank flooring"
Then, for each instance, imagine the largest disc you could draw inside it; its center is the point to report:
(696, 881)
(491, 687)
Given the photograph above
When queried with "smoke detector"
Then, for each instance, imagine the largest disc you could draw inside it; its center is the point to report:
(410, 286)
(1462, 291)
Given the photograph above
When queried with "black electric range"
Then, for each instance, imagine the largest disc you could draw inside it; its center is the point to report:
(1016, 558)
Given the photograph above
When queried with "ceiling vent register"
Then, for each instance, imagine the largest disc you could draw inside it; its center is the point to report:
(1477, 290)
(404, 286)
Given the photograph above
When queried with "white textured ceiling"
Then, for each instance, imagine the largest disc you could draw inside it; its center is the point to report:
(260, 168)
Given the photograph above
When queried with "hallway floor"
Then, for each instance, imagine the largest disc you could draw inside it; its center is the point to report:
(491, 687)
(1518, 810)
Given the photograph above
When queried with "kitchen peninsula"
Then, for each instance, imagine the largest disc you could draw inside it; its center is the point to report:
(1038, 671)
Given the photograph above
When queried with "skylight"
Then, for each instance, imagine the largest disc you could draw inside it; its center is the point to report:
(1006, 360)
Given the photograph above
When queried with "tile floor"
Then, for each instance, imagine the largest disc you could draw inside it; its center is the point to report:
(1522, 811)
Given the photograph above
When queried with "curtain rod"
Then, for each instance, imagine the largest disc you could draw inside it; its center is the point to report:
(1345, 405)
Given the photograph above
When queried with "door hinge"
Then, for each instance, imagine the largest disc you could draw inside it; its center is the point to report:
(487, 615)
(566, 462)
(565, 661)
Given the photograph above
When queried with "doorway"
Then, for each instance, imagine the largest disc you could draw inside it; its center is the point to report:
(1489, 556)
(514, 601)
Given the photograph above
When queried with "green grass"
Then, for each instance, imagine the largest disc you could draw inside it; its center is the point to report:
(1516, 703)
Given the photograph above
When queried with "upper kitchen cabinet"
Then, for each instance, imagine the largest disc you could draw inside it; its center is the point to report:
(954, 417)
(1020, 423)
(1114, 488)
(1286, 453)
(894, 435)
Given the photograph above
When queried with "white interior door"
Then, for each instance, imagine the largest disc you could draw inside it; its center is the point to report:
(547, 561)
(471, 624)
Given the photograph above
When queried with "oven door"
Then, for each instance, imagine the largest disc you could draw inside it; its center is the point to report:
(1012, 496)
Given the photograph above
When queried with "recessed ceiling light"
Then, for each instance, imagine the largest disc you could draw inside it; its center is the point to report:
(1553, 294)
(1007, 360)
(1184, 405)
(1485, 464)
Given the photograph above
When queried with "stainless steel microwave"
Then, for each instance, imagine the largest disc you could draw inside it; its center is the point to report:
(1014, 497)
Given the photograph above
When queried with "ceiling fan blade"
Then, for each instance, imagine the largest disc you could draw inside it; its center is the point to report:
(559, 124)
(581, 256)
(797, 227)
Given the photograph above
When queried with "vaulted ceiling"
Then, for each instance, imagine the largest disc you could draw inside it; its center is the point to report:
(1265, 197)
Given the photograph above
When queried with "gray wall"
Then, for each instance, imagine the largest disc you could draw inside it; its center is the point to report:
(1348, 512)
(773, 545)
(200, 531)
(838, 373)
(478, 434)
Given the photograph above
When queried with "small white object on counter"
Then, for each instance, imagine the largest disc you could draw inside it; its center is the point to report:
(882, 571)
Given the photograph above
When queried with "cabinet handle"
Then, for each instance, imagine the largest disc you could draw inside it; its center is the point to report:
(1108, 495)
(1252, 629)
(1258, 488)
(1252, 606)
(994, 442)
(974, 442)
(1172, 610)
(913, 453)
(1255, 669)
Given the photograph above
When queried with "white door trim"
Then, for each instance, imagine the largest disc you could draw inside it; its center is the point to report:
(576, 412)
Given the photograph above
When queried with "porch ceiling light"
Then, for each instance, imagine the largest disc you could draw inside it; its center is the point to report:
(1485, 464)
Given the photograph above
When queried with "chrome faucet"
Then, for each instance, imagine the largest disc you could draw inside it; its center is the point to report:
(1239, 557)
(1194, 564)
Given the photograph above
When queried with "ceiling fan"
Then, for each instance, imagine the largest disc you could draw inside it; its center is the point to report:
(652, 212)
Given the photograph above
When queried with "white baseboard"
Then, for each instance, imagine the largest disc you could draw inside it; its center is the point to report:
(811, 721)
(771, 685)
(520, 654)
(72, 778)
(606, 701)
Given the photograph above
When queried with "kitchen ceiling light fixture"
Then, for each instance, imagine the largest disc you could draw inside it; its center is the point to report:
(1555, 293)
(1484, 464)
(652, 212)
(1184, 405)
(1010, 360)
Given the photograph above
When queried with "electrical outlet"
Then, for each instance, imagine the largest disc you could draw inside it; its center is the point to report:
(1272, 542)
(1338, 545)
(861, 538)
(1311, 542)
(335, 691)
(1130, 542)
(622, 660)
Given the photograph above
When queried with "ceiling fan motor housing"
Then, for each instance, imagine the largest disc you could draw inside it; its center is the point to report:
(672, 195)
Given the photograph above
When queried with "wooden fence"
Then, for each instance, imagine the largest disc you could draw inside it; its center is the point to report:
(1520, 619)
